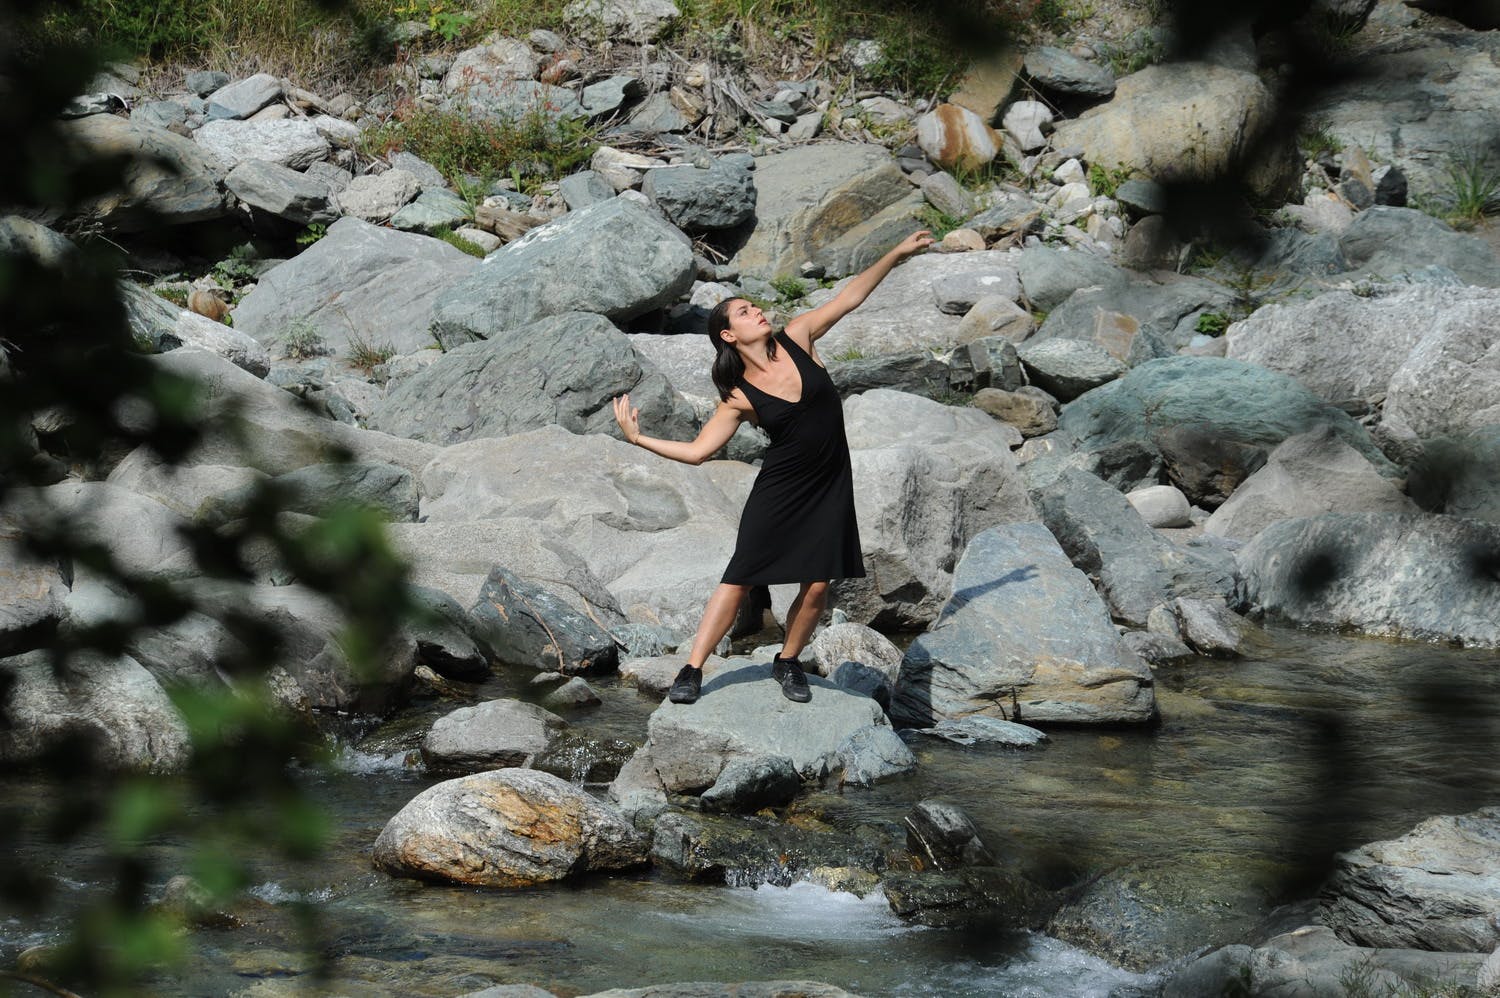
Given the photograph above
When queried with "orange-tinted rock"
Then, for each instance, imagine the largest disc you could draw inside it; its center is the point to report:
(955, 137)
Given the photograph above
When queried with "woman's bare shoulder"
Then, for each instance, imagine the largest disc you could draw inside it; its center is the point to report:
(739, 405)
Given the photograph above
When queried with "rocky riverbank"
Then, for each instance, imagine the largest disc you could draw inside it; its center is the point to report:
(1086, 445)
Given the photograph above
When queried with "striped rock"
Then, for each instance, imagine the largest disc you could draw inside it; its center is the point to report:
(953, 136)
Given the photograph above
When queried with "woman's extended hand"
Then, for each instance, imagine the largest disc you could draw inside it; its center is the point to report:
(914, 243)
(629, 418)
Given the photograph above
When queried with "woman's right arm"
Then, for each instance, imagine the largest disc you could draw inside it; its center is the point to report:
(714, 435)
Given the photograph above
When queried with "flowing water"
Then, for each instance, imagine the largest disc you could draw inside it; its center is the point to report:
(1261, 767)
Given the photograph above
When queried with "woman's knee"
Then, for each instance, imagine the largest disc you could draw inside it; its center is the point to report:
(815, 591)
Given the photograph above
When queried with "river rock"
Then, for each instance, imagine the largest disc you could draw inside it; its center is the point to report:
(1459, 476)
(295, 143)
(617, 259)
(743, 714)
(280, 191)
(981, 729)
(902, 313)
(170, 182)
(1435, 888)
(509, 101)
(563, 370)
(495, 60)
(697, 199)
(158, 326)
(141, 534)
(244, 97)
(525, 624)
(1419, 576)
(995, 652)
(584, 188)
(1450, 382)
(278, 433)
(1313, 961)
(945, 836)
(1068, 368)
(359, 283)
(1161, 506)
(1345, 347)
(1207, 422)
(1307, 474)
(445, 636)
(1137, 320)
(576, 692)
(809, 198)
(1024, 121)
(375, 197)
(32, 592)
(954, 137)
(113, 706)
(1176, 120)
(1209, 626)
(747, 989)
(456, 558)
(1031, 415)
(857, 658)
(315, 489)
(956, 294)
(506, 828)
(1387, 240)
(433, 209)
(1049, 274)
(495, 734)
(1103, 535)
(657, 533)
(916, 372)
(1062, 73)
(653, 676)
(749, 784)
(929, 478)
(722, 849)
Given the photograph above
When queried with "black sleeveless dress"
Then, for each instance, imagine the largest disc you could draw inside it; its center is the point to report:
(798, 524)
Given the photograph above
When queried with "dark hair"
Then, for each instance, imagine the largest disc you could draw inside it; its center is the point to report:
(728, 368)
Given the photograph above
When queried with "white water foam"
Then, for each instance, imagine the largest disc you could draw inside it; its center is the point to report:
(800, 911)
(1046, 968)
(351, 760)
(273, 893)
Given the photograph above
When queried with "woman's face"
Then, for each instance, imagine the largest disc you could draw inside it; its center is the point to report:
(747, 323)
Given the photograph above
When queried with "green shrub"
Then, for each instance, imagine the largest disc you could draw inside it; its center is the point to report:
(790, 288)
(364, 356)
(312, 233)
(1106, 181)
(1213, 323)
(458, 242)
(301, 340)
(177, 296)
(1474, 190)
(938, 222)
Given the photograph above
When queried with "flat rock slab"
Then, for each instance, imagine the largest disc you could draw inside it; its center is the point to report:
(1424, 576)
(490, 735)
(506, 828)
(291, 142)
(171, 179)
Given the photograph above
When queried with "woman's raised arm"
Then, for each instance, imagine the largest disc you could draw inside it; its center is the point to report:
(714, 435)
(818, 321)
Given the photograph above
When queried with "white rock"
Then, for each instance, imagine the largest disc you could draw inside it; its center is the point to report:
(1024, 120)
(1070, 172)
(376, 197)
(294, 143)
(1161, 506)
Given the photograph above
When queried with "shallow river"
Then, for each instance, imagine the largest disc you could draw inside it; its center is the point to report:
(1260, 768)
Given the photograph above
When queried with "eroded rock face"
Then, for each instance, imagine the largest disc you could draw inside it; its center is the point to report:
(1435, 888)
(1450, 382)
(1024, 638)
(506, 828)
(1422, 576)
(171, 180)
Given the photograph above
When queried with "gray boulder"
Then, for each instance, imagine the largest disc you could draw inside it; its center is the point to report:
(139, 533)
(617, 259)
(495, 734)
(315, 489)
(1307, 474)
(433, 209)
(1161, 506)
(295, 143)
(243, 98)
(1068, 368)
(929, 477)
(1024, 638)
(171, 181)
(1138, 570)
(1030, 413)
(1062, 73)
(360, 283)
(281, 191)
(32, 592)
(956, 294)
(512, 101)
(1459, 476)
(157, 326)
(981, 729)
(609, 95)
(751, 783)
(696, 199)
(1311, 962)
(1420, 576)
(506, 828)
(1209, 626)
(114, 707)
(1385, 241)
(525, 624)
(584, 188)
(563, 370)
(810, 201)
(742, 714)
(1206, 423)
(1435, 888)
(375, 197)
(943, 835)
(205, 81)
(857, 658)
(635, 20)
(1137, 321)
(446, 636)
(1450, 382)
(1049, 275)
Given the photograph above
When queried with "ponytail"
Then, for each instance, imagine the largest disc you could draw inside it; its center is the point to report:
(728, 368)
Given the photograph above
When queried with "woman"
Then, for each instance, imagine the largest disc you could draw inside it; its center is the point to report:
(798, 524)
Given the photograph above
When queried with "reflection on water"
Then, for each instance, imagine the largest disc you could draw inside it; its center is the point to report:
(1260, 768)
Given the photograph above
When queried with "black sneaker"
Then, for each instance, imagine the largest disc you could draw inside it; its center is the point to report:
(792, 679)
(778, 667)
(686, 686)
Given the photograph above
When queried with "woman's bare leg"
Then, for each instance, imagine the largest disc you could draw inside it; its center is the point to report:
(802, 617)
(718, 618)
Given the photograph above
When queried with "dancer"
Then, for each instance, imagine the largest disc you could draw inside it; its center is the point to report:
(798, 524)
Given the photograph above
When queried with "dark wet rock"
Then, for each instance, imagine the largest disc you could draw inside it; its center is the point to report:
(1014, 594)
(1435, 888)
(977, 729)
(746, 852)
(873, 753)
(1422, 576)
(976, 894)
(749, 784)
(578, 758)
(576, 692)
(492, 735)
(1138, 570)
(445, 636)
(506, 828)
(944, 836)
(528, 625)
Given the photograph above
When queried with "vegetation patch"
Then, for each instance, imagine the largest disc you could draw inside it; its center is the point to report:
(1106, 181)
(458, 242)
(301, 340)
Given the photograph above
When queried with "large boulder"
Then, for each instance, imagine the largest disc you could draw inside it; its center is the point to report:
(387, 490)
(1345, 347)
(1138, 320)
(1450, 382)
(118, 711)
(635, 20)
(139, 533)
(742, 716)
(927, 478)
(1177, 121)
(359, 283)
(1421, 576)
(1435, 888)
(1049, 274)
(903, 314)
(1024, 638)
(495, 734)
(170, 180)
(1310, 473)
(563, 370)
(1459, 475)
(657, 533)
(281, 191)
(506, 828)
(159, 326)
(810, 202)
(528, 625)
(295, 143)
(32, 591)
(1138, 570)
(1385, 241)
(1206, 423)
(616, 258)
(694, 198)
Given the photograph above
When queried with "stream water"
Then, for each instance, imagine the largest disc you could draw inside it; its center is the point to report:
(1260, 768)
